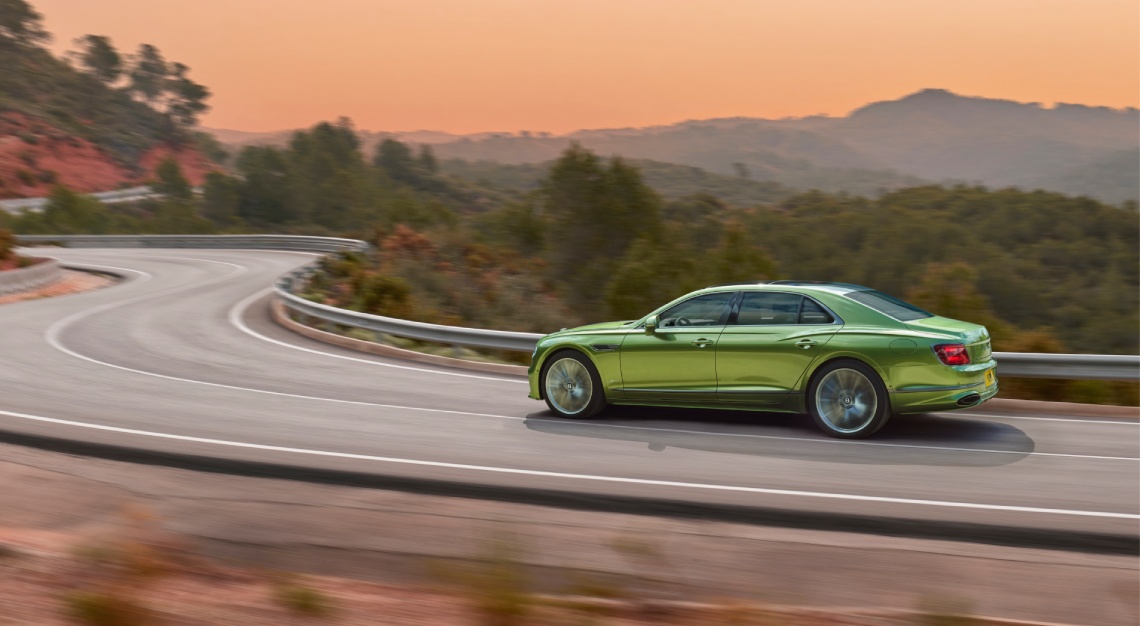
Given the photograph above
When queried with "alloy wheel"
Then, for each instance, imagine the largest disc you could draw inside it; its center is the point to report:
(569, 386)
(846, 400)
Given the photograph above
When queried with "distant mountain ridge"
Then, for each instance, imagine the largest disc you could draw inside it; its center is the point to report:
(931, 135)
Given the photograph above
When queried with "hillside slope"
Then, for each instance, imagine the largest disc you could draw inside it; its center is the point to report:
(60, 125)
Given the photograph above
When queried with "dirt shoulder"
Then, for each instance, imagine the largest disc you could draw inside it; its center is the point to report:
(72, 281)
(239, 545)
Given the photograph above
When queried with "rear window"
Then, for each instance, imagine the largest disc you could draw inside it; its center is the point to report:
(890, 305)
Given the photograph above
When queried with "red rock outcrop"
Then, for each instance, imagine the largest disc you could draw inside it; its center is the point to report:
(34, 156)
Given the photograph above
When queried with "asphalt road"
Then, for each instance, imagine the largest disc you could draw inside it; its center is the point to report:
(183, 358)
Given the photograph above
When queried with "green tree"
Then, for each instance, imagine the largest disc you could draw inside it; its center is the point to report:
(738, 259)
(265, 190)
(148, 74)
(652, 272)
(171, 182)
(950, 290)
(98, 57)
(21, 24)
(427, 160)
(178, 218)
(328, 181)
(701, 214)
(396, 160)
(519, 225)
(185, 99)
(68, 213)
(595, 211)
(221, 199)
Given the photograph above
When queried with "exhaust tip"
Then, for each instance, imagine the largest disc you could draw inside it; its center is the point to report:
(969, 399)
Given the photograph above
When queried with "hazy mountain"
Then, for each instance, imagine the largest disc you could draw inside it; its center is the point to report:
(931, 135)
(937, 134)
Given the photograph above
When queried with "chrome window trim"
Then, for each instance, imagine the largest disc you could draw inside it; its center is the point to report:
(837, 321)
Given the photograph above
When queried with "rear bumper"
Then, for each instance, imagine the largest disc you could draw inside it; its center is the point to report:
(948, 399)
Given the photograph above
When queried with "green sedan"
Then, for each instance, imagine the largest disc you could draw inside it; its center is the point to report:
(849, 356)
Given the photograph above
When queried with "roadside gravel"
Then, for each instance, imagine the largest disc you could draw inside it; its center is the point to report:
(377, 553)
(71, 282)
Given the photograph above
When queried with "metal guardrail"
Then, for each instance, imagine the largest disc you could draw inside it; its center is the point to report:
(15, 205)
(455, 335)
(1013, 364)
(133, 194)
(30, 277)
(1068, 366)
(241, 242)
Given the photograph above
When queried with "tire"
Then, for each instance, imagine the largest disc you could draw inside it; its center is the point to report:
(571, 386)
(847, 399)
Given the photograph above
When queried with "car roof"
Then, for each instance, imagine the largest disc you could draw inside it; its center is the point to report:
(839, 288)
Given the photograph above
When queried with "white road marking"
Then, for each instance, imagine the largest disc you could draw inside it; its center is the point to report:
(1124, 421)
(51, 335)
(590, 477)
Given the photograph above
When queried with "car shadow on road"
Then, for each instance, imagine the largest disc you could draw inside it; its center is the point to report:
(924, 439)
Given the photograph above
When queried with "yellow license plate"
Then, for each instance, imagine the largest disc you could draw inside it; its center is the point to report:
(990, 378)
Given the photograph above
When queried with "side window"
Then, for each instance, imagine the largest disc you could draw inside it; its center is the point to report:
(812, 313)
(707, 310)
(760, 308)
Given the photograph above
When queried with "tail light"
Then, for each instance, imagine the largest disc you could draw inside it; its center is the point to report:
(952, 354)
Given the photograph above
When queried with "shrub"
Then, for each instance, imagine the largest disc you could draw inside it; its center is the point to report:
(105, 608)
(301, 599)
(496, 585)
(7, 244)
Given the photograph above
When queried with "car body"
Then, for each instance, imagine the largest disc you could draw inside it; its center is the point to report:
(831, 350)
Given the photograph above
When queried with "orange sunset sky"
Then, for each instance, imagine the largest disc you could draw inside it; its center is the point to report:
(560, 65)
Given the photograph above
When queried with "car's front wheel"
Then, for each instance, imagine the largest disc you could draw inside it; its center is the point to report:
(847, 399)
(571, 386)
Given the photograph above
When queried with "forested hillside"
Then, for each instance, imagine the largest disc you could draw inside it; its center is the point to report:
(593, 240)
(670, 180)
(93, 121)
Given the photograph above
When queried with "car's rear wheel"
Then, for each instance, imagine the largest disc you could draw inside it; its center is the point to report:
(847, 399)
(571, 386)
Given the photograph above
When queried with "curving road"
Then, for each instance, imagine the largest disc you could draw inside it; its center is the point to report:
(182, 358)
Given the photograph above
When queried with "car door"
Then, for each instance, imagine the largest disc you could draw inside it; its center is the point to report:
(768, 344)
(677, 363)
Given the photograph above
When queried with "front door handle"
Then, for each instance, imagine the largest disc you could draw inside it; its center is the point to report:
(806, 343)
(700, 343)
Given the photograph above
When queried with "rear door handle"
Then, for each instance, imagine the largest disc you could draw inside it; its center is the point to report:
(700, 343)
(806, 343)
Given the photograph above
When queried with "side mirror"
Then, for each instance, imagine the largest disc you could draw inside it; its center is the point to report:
(650, 324)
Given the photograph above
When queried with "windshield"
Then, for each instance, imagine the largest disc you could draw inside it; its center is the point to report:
(890, 305)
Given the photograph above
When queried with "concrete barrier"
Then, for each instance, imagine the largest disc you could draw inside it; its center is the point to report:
(44, 272)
